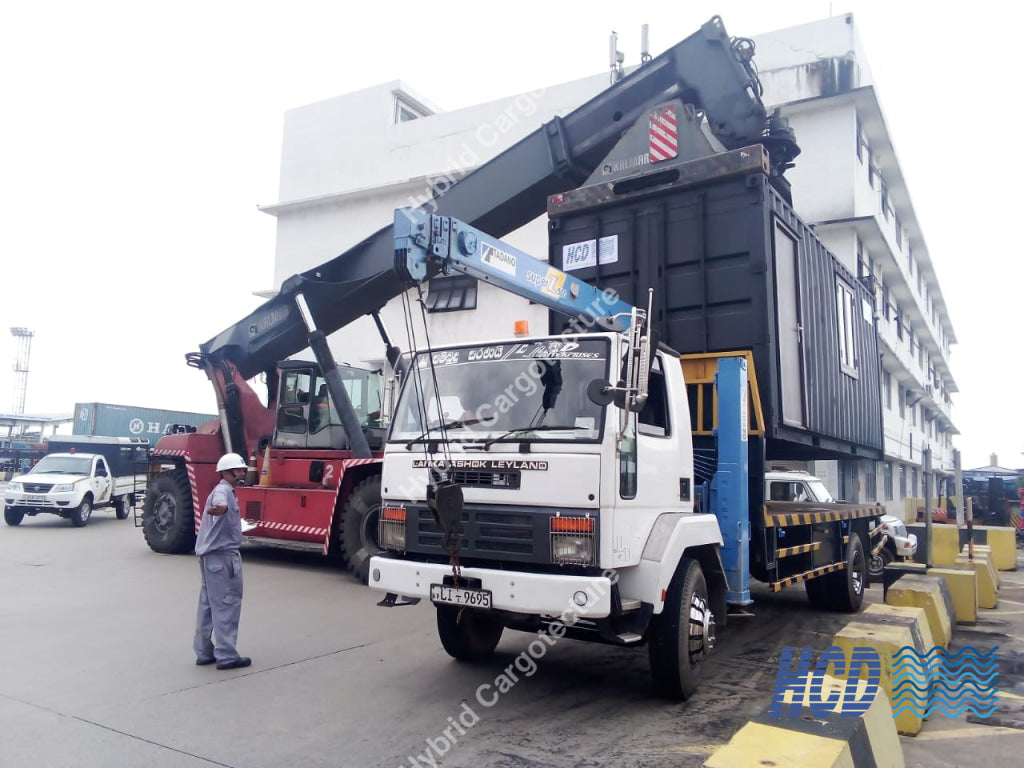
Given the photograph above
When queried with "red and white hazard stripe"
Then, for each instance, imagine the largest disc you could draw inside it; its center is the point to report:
(664, 135)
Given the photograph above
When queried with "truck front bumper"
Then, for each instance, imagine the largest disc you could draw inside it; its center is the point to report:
(541, 594)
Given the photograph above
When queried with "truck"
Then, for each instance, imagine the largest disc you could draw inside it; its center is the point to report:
(320, 480)
(77, 476)
(553, 484)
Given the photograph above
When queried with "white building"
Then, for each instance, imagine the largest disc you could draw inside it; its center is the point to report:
(348, 162)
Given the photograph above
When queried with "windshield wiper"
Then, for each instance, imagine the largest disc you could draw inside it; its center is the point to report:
(450, 425)
(538, 428)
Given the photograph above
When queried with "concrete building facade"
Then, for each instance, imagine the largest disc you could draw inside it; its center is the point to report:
(349, 161)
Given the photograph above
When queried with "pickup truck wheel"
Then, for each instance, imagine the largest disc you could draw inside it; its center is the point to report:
(358, 530)
(467, 635)
(81, 514)
(168, 522)
(877, 563)
(13, 516)
(683, 634)
(124, 507)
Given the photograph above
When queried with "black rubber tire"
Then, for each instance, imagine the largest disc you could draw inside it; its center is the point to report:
(877, 563)
(849, 583)
(123, 507)
(466, 634)
(13, 516)
(168, 521)
(842, 590)
(676, 665)
(358, 530)
(80, 515)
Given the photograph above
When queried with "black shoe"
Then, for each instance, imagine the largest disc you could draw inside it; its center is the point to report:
(241, 661)
(205, 662)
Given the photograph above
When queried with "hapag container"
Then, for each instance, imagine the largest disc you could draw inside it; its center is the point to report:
(734, 268)
(131, 420)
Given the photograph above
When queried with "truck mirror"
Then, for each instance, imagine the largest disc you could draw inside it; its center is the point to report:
(600, 392)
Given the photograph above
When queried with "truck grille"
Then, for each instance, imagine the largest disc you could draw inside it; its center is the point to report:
(37, 487)
(492, 532)
(473, 478)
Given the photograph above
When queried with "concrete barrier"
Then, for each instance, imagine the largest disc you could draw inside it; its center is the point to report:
(984, 551)
(887, 629)
(962, 584)
(988, 583)
(931, 594)
(816, 740)
(1001, 540)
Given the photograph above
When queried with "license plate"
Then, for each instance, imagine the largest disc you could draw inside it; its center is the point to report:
(35, 499)
(474, 598)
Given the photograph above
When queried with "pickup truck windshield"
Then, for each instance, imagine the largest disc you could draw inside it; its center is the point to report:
(820, 491)
(62, 465)
(519, 391)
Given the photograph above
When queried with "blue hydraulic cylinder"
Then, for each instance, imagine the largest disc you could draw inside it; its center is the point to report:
(423, 240)
(729, 490)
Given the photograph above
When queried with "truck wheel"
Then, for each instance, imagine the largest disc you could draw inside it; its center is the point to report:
(13, 516)
(168, 522)
(467, 635)
(124, 507)
(358, 529)
(681, 637)
(877, 563)
(81, 514)
(842, 590)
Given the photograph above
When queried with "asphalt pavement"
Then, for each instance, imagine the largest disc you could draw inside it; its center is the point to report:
(98, 671)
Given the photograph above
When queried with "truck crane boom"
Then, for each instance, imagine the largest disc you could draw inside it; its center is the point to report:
(707, 70)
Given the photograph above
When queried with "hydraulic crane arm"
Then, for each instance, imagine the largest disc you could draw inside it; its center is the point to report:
(426, 244)
(707, 69)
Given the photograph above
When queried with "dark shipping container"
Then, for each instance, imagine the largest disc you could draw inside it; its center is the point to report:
(734, 268)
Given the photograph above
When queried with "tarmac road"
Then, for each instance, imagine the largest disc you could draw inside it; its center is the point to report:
(98, 670)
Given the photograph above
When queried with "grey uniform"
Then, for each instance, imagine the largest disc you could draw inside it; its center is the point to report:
(220, 562)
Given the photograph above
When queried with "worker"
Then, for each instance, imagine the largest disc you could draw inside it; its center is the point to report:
(218, 546)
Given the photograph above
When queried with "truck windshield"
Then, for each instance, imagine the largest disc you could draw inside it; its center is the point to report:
(820, 492)
(531, 390)
(63, 465)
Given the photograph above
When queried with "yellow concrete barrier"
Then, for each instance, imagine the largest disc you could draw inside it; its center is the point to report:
(945, 544)
(962, 584)
(887, 629)
(988, 584)
(1002, 540)
(985, 551)
(814, 740)
(931, 594)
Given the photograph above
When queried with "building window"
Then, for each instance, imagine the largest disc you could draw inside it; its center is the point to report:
(405, 110)
(913, 481)
(901, 400)
(450, 294)
(845, 304)
(903, 481)
(887, 479)
(899, 231)
(887, 388)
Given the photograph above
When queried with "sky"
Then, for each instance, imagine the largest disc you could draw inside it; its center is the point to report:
(138, 139)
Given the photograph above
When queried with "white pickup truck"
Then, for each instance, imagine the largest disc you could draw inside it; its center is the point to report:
(71, 485)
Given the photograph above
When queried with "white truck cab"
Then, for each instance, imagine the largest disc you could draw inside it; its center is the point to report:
(70, 485)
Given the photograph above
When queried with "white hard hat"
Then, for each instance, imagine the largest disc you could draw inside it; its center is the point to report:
(231, 461)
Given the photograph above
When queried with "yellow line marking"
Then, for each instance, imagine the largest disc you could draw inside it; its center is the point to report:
(970, 732)
(1015, 602)
(694, 749)
(1008, 695)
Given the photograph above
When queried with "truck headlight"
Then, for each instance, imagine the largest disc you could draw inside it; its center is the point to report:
(572, 540)
(15, 488)
(63, 487)
(391, 528)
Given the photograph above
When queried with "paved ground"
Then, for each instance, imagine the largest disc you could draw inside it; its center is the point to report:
(98, 671)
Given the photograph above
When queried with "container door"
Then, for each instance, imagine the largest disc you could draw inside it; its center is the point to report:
(787, 298)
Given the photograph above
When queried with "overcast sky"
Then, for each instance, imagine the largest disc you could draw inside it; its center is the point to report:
(138, 139)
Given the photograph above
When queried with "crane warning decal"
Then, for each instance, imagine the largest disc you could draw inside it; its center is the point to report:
(499, 259)
(664, 134)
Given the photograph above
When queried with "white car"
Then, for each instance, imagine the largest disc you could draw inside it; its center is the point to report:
(898, 545)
